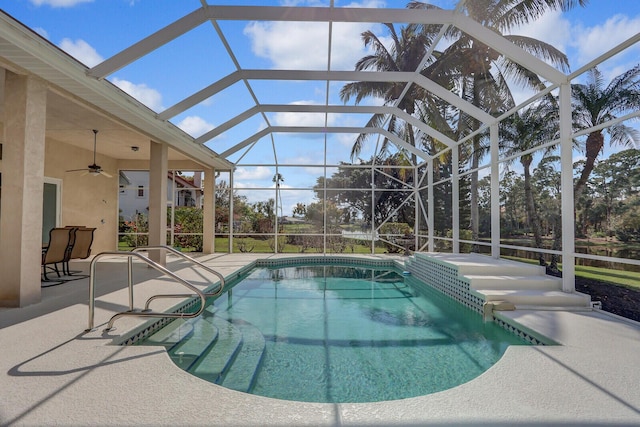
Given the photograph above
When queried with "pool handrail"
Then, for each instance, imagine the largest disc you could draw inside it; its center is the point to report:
(190, 259)
(156, 266)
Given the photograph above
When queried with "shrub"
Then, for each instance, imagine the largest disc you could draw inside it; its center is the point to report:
(393, 230)
(188, 228)
(135, 232)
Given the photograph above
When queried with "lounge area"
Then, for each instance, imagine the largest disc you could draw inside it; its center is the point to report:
(65, 244)
(421, 167)
(69, 377)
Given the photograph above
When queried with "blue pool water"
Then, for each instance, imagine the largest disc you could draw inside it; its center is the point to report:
(334, 334)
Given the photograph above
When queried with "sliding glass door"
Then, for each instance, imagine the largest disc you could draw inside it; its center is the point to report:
(52, 196)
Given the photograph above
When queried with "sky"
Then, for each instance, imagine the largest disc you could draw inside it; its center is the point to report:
(94, 30)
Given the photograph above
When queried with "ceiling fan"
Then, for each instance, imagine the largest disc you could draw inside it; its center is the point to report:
(93, 169)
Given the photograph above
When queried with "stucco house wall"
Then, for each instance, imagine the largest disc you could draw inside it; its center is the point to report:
(98, 204)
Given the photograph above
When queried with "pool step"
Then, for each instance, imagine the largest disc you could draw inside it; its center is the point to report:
(243, 370)
(476, 264)
(507, 281)
(213, 364)
(186, 352)
(490, 279)
(168, 335)
(225, 352)
(527, 297)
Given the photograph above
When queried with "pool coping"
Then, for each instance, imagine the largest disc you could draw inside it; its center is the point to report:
(67, 377)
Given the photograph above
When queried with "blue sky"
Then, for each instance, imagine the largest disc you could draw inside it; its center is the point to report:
(94, 30)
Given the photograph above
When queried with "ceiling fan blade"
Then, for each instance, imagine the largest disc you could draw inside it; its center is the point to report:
(108, 175)
(92, 169)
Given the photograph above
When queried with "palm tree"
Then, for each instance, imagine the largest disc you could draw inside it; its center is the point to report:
(594, 104)
(481, 74)
(524, 131)
(300, 209)
(277, 179)
(406, 54)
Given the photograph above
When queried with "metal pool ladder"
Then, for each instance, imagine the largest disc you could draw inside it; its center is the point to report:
(147, 312)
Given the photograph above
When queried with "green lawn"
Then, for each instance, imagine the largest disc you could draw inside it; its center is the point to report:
(263, 246)
(619, 277)
(629, 279)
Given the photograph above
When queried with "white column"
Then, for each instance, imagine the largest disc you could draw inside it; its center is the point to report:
(455, 200)
(231, 208)
(430, 201)
(416, 208)
(495, 193)
(208, 212)
(568, 218)
(158, 175)
(22, 188)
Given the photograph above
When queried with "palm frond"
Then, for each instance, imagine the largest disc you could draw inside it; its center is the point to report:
(377, 120)
(541, 50)
(513, 13)
(624, 135)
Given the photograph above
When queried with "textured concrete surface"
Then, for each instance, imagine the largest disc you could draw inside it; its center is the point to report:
(55, 374)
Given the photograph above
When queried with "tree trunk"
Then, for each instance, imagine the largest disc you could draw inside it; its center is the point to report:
(557, 242)
(532, 211)
(594, 144)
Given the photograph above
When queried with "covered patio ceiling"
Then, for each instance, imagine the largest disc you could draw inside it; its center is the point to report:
(77, 104)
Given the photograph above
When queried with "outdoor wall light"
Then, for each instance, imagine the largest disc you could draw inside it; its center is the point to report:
(134, 148)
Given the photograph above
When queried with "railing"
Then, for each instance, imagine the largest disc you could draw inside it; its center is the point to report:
(193, 261)
(148, 313)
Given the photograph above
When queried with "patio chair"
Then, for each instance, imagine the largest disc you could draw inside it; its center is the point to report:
(81, 249)
(56, 251)
(72, 241)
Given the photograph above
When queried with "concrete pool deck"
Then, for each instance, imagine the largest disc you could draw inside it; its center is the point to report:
(53, 373)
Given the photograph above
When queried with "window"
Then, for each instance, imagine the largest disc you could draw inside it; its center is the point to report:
(140, 190)
(123, 190)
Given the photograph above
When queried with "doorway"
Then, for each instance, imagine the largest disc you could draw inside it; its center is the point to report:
(51, 201)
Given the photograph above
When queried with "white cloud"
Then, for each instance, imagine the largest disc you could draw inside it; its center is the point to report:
(303, 45)
(594, 41)
(195, 126)
(304, 160)
(291, 198)
(148, 96)
(347, 44)
(260, 172)
(42, 32)
(550, 28)
(82, 51)
(303, 119)
(59, 3)
(348, 139)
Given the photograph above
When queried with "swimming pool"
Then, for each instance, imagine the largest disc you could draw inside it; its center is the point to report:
(335, 334)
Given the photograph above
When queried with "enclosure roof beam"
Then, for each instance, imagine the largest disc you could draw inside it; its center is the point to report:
(316, 108)
(148, 44)
(325, 129)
